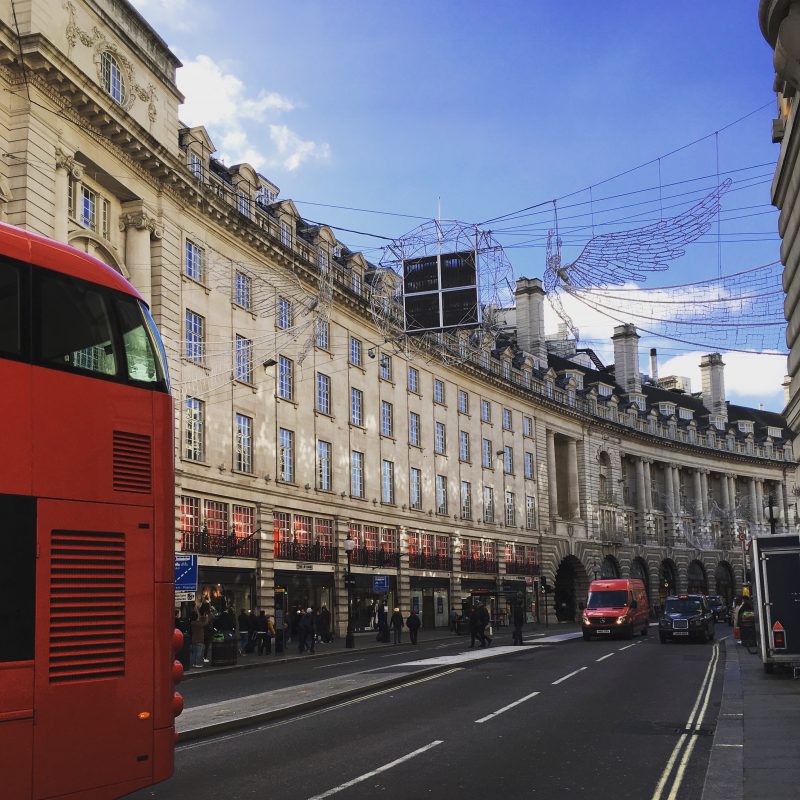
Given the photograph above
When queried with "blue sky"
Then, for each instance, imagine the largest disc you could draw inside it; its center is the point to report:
(485, 108)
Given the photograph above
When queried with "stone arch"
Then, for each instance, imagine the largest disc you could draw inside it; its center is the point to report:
(610, 568)
(725, 581)
(96, 246)
(640, 571)
(667, 580)
(696, 578)
(571, 587)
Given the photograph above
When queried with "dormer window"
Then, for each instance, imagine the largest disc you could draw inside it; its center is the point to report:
(685, 413)
(337, 251)
(775, 433)
(577, 377)
(745, 427)
(111, 73)
(667, 409)
(286, 234)
(507, 370)
(195, 164)
(265, 196)
(322, 260)
(603, 390)
(243, 203)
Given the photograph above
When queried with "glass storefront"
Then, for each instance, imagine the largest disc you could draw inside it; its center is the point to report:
(430, 598)
(367, 600)
(296, 591)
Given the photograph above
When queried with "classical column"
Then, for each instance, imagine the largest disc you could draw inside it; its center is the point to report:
(648, 485)
(704, 492)
(138, 227)
(66, 166)
(552, 481)
(641, 502)
(726, 495)
(784, 503)
(754, 501)
(698, 495)
(760, 500)
(573, 488)
(669, 489)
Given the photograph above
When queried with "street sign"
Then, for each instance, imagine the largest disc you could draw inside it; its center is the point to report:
(380, 583)
(350, 583)
(185, 577)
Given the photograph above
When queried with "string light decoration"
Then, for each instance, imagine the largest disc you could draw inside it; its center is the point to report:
(620, 257)
(494, 275)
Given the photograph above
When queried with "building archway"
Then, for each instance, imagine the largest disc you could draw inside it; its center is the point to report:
(667, 580)
(640, 572)
(723, 576)
(696, 578)
(609, 569)
(571, 583)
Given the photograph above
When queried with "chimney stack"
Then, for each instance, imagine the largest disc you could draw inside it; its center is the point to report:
(529, 296)
(653, 365)
(787, 390)
(626, 358)
(712, 375)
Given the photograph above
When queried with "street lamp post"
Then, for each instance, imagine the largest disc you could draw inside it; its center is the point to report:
(349, 546)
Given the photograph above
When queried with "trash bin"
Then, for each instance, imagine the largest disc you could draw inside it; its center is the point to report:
(223, 654)
(747, 629)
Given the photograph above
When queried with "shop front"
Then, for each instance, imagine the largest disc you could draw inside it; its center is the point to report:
(226, 587)
(370, 592)
(514, 591)
(430, 598)
(480, 590)
(299, 589)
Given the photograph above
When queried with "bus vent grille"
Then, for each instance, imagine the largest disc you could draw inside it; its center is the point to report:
(87, 598)
(132, 463)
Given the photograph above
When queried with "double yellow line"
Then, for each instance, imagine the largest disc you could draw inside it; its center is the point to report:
(682, 751)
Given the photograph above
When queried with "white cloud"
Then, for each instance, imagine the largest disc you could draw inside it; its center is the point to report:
(218, 99)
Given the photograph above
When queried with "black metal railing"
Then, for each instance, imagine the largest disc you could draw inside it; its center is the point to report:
(220, 544)
(479, 564)
(425, 561)
(375, 557)
(522, 568)
(305, 551)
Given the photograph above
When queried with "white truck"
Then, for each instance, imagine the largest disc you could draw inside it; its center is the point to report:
(776, 571)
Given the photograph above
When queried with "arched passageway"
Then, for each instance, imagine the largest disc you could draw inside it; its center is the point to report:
(609, 569)
(696, 578)
(640, 572)
(571, 585)
(723, 576)
(667, 580)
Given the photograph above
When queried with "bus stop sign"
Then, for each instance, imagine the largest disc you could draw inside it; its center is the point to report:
(185, 577)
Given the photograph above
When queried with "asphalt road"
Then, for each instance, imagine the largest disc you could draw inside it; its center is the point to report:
(601, 719)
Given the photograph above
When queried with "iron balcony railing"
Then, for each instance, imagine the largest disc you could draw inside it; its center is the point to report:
(306, 551)
(522, 567)
(375, 557)
(426, 561)
(478, 564)
(220, 544)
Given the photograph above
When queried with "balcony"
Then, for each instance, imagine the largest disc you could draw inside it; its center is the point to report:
(375, 557)
(432, 562)
(478, 564)
(219, 544)
(606, 498)
(305, 551)
(522, 567)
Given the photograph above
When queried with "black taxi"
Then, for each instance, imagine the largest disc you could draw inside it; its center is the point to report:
(686, 616)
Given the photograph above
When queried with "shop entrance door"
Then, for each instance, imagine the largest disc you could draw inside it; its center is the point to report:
(428, 614)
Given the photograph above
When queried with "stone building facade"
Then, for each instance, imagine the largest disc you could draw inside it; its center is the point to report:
(298, 426)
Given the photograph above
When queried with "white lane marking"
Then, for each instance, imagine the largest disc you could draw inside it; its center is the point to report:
(555, 683)
(603, 658)
(466, 656)
(728, 745)
(628, 646)
(556, 637)
(341, 663)
(506, 708)
(377, 771)
(705, 686)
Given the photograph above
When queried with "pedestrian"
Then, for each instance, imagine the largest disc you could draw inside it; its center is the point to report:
(518, 620)
(413, 623)
(325, 624)
(383, 623)
(484, 625)
(473, 626)
(197, 630)
(208, 634)
(244, 631)
(263, 638)
(307, 631)
(396, 624)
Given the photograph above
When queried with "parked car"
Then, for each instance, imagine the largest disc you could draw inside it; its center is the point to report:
(686, 616)
(719, 607)
(616, 607)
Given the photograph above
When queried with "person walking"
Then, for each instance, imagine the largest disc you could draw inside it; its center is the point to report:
(325, 624)
(473, 627)
(383, 623)
(208, 634)
(197, 629)
(262, 633)
(244, 630)
(413, 623)
(484, 625)
(307, 631)
(518, 620)
(396, 624)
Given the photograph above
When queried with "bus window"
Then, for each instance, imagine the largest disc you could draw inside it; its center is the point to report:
(17, 577)
(143, 354)
(10, 314)
(74, 327)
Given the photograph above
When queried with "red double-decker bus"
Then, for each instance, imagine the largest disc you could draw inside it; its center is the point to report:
(87, 699)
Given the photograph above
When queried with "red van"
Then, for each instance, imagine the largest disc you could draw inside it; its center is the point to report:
(616, 607)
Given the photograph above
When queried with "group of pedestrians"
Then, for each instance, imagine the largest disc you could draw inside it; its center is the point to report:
(396, 623)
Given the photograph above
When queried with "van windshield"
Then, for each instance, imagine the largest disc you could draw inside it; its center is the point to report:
(613, 599)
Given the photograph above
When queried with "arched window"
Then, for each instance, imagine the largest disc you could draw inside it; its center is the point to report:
(113, 82)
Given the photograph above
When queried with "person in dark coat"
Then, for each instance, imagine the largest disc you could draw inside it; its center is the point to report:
(208, 637)
(473, 626)
(518, 620)
(484, 620)
(396, 624)
(383, 624)
(306, 631)
(413, 623)
(244, 630)
(325, 624)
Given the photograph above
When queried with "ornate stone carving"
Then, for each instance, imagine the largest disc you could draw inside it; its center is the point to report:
(67, 162)
(141, 220)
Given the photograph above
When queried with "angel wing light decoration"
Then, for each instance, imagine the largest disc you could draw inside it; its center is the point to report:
(619, 257)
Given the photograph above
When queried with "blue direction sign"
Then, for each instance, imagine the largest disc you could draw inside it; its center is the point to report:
(380, 583)
(185, 577)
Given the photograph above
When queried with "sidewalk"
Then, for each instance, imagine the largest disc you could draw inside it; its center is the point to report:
(756, 749)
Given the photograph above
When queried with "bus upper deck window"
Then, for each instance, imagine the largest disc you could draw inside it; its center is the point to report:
(143, 354)
(74, 327)
(10, 332)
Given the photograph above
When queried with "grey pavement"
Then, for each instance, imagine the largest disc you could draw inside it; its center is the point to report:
(756, 749)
